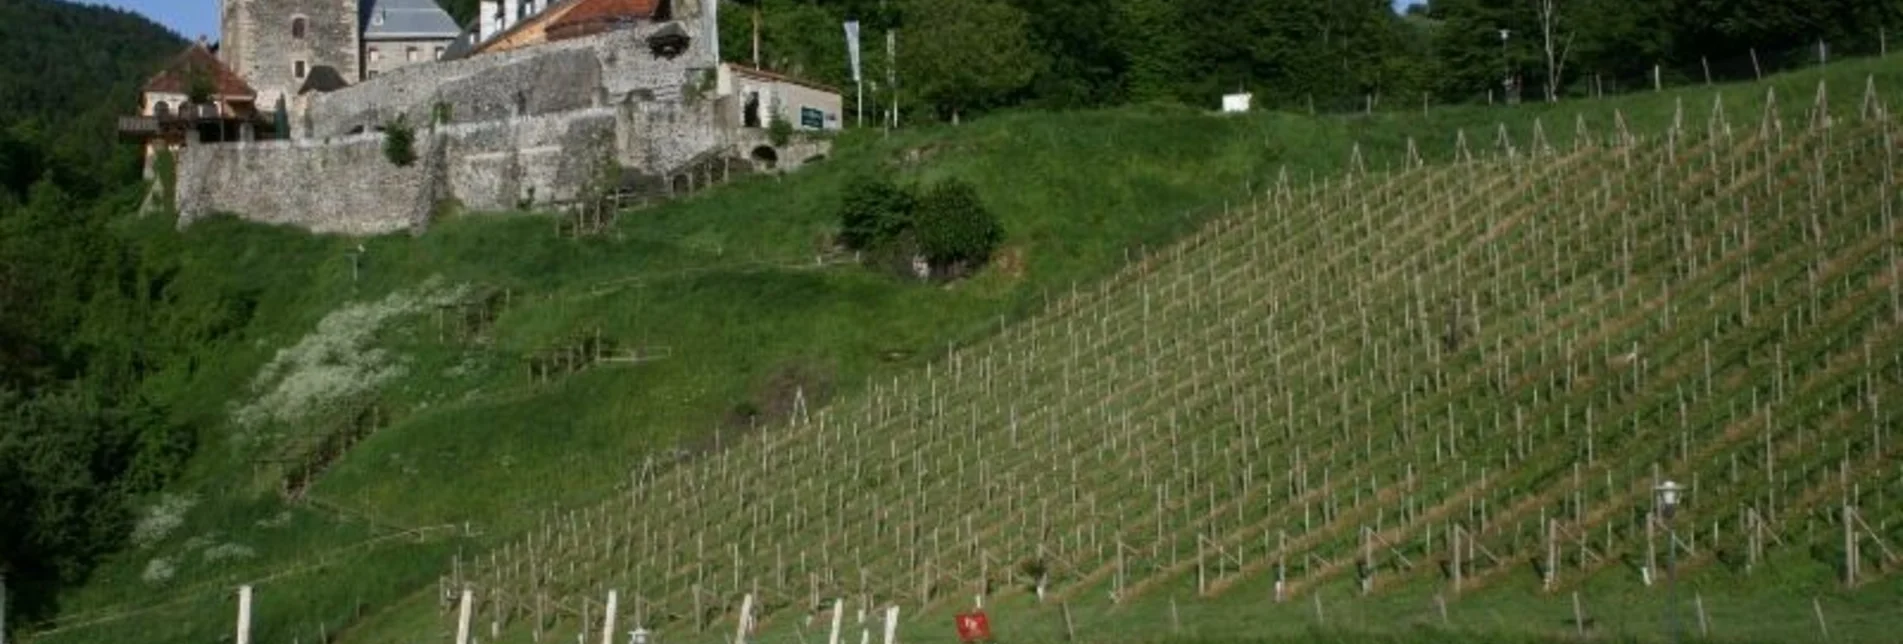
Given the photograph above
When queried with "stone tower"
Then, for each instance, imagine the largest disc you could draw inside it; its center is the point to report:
(274, 44)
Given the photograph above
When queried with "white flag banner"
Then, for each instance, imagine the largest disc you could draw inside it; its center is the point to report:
(713, 29)
(852, 47)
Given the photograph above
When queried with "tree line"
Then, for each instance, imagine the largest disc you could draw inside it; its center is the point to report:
(957, 56)
(87, 310)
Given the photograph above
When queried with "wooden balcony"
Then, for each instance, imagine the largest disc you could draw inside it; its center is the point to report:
(173, 124)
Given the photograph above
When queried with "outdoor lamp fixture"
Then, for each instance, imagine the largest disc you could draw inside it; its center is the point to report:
(1668, 505)
(1668, 498)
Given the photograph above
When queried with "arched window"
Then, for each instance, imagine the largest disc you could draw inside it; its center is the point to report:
(298, 26)
(162, 110)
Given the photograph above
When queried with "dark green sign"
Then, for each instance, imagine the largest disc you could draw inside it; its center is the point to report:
(812, 119)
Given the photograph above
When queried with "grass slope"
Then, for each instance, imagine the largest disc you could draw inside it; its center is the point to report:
(475, 454)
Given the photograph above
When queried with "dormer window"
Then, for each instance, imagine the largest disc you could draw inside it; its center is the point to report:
(377, 19)
(298, 27)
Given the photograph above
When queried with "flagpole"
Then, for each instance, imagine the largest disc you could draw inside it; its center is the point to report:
(858, 79)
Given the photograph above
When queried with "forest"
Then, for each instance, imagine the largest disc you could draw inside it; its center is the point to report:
(83, 312)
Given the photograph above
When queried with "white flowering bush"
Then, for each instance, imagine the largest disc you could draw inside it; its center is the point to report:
(336, 361)
(158, 571)
(228, 552)
(160, 519)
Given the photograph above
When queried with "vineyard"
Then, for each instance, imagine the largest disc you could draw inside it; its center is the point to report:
(1448, 375)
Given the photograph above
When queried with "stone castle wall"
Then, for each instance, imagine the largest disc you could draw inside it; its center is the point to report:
(349, 186)
(525, 127)
(277, 182)
(597, 71)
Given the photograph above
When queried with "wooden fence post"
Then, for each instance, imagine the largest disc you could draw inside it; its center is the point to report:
(1454, 538)
(463, 615)
(740, 630)
(1822, 627)
(839, 612)
(1579, 615)
(244, 615)
(1704, 623)
(608, 618)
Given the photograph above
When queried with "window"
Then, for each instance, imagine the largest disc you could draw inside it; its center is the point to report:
(298, 26)
(410, 54)
(298, 70)
(375, 55)
(439, 53)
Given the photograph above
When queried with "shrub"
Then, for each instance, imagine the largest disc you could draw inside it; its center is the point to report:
(779, 131)
(165, 169)
(955, 230)
(399, 143)
(873, 213)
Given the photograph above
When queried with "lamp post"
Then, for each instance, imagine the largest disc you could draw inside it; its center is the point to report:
(1506, 69)
(1667, 494)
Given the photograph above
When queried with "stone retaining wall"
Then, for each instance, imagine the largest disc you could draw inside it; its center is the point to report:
(597, 71)
(349, 186)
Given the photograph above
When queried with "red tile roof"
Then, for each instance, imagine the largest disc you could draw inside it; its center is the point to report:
(197, 59)
(593, 15)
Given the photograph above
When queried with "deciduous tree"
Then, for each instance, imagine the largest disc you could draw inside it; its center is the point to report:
(964, 54)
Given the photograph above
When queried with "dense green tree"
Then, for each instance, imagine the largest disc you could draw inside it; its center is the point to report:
(956, 232)
(77, 444)
(1149, 35)
(874, 211)
(965, 54)
(70, 463)
(1076, 45)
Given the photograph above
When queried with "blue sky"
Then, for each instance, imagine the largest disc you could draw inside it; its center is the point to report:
(193, 18)
(190, 18)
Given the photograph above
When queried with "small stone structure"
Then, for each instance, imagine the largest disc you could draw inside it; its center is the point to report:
(504, 131)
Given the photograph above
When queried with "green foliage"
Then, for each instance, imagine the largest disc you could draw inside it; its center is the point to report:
(281, 120)
(71, 464)
(463, 11)
(874, 212)
(955, 230)
(165, 170)
(947, 224)
(966, 54)
(779, 131)
(399, 143)
(198, 86)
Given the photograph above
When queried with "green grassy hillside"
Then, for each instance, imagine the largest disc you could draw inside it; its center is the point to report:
(495, 404)
(1336, 386)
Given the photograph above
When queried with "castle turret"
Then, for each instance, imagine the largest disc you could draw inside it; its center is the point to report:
(275, 44)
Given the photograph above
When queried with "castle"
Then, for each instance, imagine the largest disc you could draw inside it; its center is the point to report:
(277, 45)
(517, 111)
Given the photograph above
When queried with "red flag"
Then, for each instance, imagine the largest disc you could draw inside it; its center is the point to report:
(974, 627)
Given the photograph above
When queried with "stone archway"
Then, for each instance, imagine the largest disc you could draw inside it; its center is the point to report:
(765, 157)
